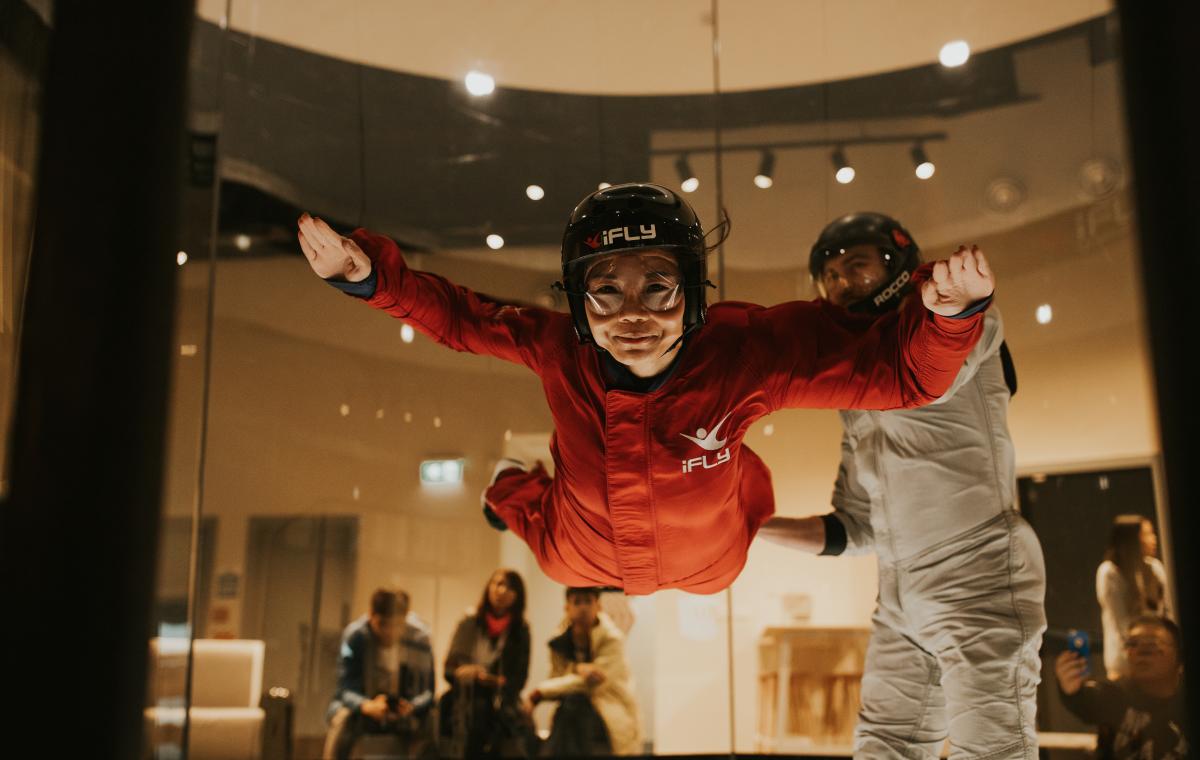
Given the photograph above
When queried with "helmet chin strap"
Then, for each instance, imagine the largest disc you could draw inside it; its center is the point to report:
(690, 328)
(679, 340)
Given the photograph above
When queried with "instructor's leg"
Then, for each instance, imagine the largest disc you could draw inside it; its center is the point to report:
(987, 645)
(903, 709)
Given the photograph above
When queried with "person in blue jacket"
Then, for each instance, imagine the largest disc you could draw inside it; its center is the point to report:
(385, 680)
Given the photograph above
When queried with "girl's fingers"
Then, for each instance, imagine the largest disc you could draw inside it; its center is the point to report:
(315, 237)
(309, 253)
(957, 262)
(941, 272)
(330, 236)
(981, 262)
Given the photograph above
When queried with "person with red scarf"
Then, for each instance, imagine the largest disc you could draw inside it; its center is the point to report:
(487, 667)
(652, 391)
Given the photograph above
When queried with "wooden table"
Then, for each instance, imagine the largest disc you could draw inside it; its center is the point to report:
(808, 691)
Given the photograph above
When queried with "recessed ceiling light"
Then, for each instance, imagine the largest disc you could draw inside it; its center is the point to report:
(1044, 314)
(954, 53)
(1099, 176)
(242, 242)
(181, 258)
(1004, 194)
(495, 242)
(535, 192)
(479, 83)
(406, 333)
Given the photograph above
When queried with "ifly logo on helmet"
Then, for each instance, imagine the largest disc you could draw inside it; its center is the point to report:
(609, 237)
(894, 288)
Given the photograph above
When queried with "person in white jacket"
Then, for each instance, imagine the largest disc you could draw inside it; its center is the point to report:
(1131, 582)
(960, 613)
(597, 712)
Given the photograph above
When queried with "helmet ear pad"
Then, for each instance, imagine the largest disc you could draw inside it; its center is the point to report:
(695, 277)
(583, 330)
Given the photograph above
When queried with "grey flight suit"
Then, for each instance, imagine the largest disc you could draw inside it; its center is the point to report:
(959, 618)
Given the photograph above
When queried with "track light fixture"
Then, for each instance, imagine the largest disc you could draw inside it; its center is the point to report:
(922, 166)
(688, 181)
(843, 172)
(766, 171)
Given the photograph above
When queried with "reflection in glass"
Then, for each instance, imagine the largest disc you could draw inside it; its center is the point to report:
(319, 416)
(1027, 126)
(22, 58)
(318, 413)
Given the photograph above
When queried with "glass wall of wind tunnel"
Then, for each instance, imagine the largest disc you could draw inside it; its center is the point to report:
(22, 60)
(318, 413)
(184, 582)
(1027, 160)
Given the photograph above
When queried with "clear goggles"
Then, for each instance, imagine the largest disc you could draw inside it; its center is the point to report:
(659, 294)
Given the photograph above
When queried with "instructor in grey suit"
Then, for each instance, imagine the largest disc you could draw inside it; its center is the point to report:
(959, 618)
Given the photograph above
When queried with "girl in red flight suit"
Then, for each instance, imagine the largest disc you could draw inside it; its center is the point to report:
(652, 392)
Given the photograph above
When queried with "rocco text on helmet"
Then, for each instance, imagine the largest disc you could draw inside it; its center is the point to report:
(893, 289)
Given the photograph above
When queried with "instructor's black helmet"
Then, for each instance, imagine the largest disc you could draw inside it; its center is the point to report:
(900, 254)
(625, 218)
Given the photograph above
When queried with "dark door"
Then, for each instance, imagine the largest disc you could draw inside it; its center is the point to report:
(1072, 514)
(300, 579)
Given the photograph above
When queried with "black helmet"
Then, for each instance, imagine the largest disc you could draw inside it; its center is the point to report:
(901, 255)
(626, 218)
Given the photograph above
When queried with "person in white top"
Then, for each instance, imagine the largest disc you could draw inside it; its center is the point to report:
(1130, 582)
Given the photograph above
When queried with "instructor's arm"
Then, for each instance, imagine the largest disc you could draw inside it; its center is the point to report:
(804, 533)
(812, 354)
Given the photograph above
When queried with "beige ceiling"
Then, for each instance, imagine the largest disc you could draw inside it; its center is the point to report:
(633, 47)
(1072, 115)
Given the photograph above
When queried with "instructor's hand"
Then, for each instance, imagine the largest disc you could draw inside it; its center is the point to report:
(329, 254)
(958, 282)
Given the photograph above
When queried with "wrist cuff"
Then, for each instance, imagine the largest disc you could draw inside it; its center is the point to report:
(835, 536)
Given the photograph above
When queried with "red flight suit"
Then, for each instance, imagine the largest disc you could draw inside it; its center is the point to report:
(655, 490)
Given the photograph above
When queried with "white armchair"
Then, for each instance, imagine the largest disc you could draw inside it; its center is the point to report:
(226, 717)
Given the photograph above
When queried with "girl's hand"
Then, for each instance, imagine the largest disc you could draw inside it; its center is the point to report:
(958, 282)
(329, 254)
